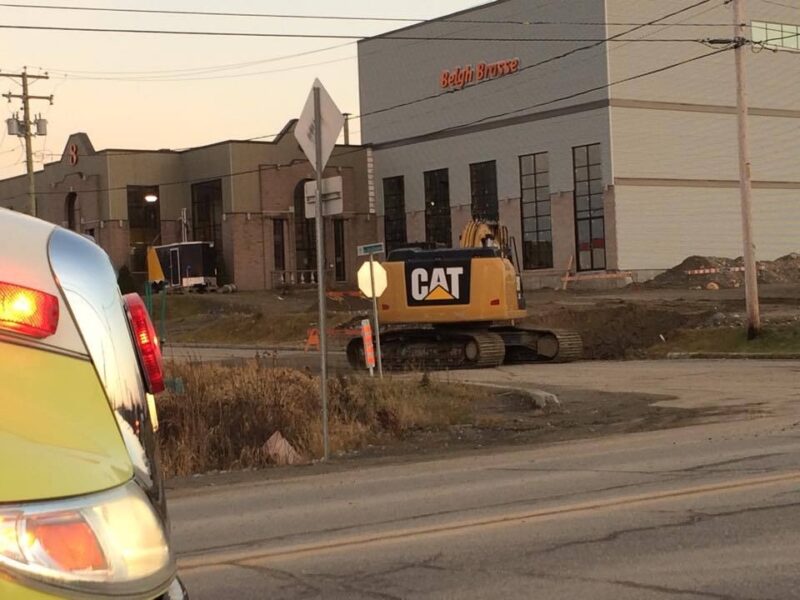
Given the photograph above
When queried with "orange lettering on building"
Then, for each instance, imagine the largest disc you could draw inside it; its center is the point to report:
(460, 77)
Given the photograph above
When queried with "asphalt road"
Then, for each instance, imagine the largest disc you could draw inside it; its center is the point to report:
(708, 511)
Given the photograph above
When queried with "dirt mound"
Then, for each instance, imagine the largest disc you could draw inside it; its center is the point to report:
(785, 269)
(726, 273)
(620, 329)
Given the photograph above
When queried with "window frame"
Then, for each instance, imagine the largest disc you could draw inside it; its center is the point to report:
(339, 250)
(395, 233)
(540, 187)
(485, 203)
(279, 249)
(438, 217)
(589, 207)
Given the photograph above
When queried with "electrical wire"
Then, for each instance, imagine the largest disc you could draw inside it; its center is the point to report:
(541, 62)
(209, 69)
(167, 79)
(571, 52)
(430, 135)
(664, 26)
(318, 36)
(312, 17)
(775, 3)
(456, 128)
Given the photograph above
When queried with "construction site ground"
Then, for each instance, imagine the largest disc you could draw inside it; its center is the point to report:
(639, 321)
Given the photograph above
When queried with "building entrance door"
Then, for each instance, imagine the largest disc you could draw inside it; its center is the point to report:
(175, 266)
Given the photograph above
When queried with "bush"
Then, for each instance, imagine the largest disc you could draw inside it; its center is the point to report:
(227, 414)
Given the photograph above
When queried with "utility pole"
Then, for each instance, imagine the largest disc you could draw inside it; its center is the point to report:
(25, 127)
(347, 128)
(745, 184)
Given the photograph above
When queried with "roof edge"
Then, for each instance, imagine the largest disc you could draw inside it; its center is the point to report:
(434, 20)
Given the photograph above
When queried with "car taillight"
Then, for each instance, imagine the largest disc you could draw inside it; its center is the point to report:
(144, 335)
(26, 311)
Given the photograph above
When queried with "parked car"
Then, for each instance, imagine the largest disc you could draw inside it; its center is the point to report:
(82, 506)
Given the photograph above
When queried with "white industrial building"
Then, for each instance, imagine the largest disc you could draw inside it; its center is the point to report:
(588, 155)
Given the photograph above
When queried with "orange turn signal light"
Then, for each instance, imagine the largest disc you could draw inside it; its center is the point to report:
(26, 311)
(69, 542)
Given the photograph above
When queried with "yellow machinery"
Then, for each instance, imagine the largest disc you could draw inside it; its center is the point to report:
(457, 308)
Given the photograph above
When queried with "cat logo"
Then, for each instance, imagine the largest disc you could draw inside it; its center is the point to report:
(437, 284)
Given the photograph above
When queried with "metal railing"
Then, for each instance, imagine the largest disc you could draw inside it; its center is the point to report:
(297, 278)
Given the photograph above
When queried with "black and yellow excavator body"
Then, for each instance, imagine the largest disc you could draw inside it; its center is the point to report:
(459, 308)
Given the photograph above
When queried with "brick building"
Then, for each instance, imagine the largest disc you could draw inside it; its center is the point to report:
(245, 196)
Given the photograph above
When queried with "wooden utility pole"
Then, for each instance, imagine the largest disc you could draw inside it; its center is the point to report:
(26, 127)
(745, 184)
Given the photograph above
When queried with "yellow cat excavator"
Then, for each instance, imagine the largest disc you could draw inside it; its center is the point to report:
(459, 308)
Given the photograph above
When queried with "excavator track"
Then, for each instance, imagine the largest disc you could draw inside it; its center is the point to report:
(434, 348)
(531, 344)
(450, 348)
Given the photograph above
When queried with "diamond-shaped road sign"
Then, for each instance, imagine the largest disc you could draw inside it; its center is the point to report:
(365, 279)
(332, 123)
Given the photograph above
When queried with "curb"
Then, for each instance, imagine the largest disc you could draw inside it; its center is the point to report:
(736, 355)
(191, 346)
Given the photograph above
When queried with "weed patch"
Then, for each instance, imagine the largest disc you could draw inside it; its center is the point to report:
(226, 414)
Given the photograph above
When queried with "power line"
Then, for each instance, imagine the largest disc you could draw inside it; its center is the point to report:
(528, 67)
(331, 36)
(540, 63)
(664, 27)
(563, 98)
(207, 69)
(318, 17)
(190, 77)
(429, 135)
(775, 3)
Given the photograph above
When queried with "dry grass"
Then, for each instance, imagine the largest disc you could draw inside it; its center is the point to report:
(247, 318)
(226, 414)
(774, 339)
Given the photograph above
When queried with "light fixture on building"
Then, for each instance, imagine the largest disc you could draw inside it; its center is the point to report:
(151, 198)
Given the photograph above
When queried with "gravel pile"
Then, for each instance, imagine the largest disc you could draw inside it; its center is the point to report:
(785, 269)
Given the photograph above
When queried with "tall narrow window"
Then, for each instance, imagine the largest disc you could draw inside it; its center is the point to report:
(537, 228)
(339, 250)
(483, 178)
(144, 223)
(437, 207)
(71, 209)
(207, 219)
(394, 212)
(279, 244)
(305, 239)
(589, 213)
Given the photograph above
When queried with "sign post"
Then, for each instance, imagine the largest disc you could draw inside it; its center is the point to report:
(372, 282)
(317, 131)
(375, 313)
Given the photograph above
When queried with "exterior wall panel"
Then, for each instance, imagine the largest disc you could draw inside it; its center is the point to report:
(395, 71)
(709, 81)
(658, 227)
(688, 145)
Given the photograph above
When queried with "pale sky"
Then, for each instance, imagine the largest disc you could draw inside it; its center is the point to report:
(120, 88)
